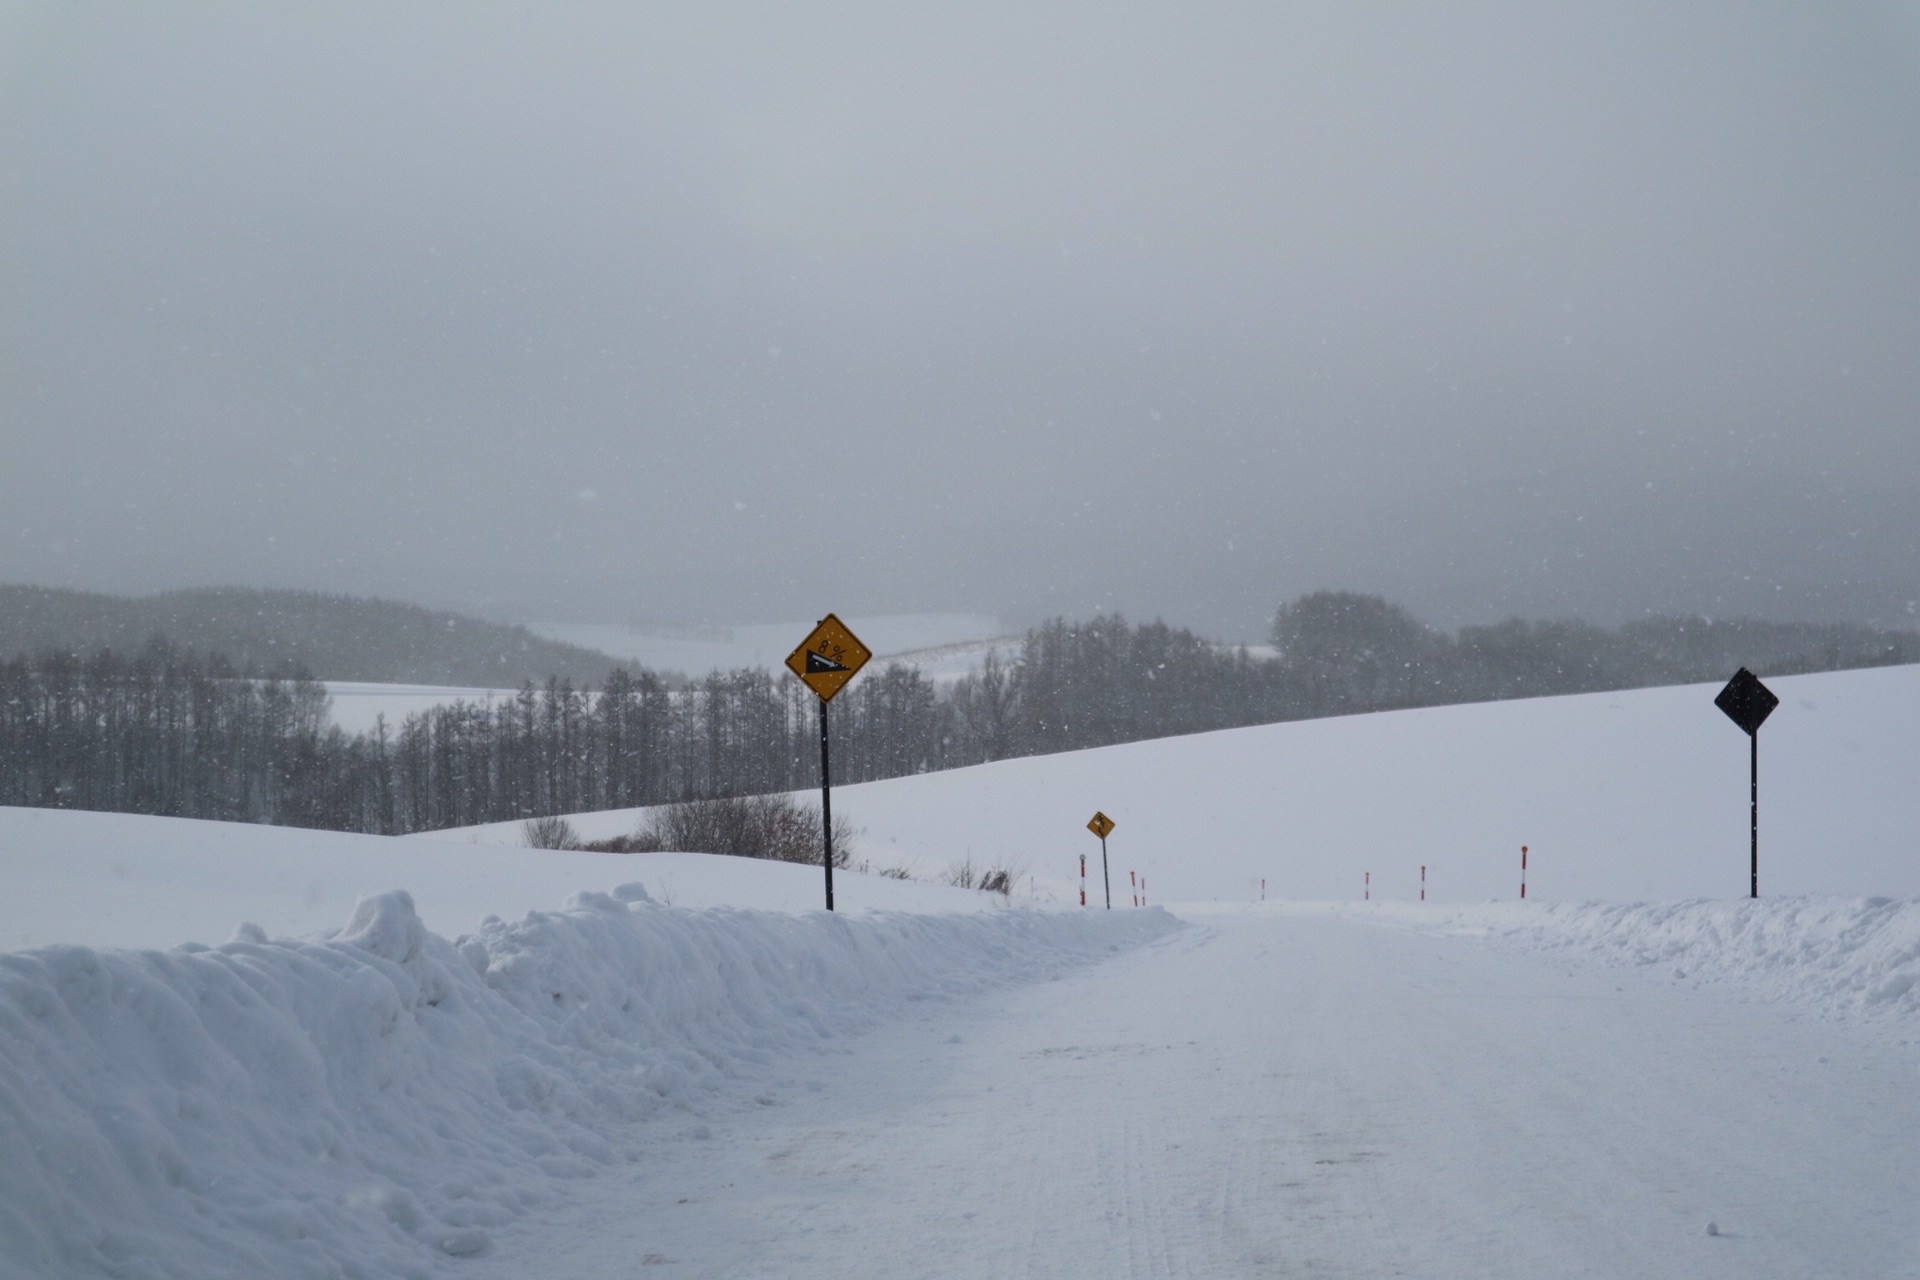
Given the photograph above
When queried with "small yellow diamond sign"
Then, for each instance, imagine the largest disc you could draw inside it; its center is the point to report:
(1101, 825)
(828, 658)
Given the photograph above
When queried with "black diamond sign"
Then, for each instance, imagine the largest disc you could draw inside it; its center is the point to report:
(1746, 701)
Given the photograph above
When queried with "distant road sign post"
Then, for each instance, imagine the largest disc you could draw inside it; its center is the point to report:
(825, 661)
(1101, 825)
(1748, 703)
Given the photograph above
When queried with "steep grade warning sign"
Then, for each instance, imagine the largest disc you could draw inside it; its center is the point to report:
(828, 658)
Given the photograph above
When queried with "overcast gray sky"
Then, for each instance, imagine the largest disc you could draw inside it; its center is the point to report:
(730, 312)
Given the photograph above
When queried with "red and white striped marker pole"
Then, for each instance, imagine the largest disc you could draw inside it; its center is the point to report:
(1083, 879)
(1263, 888)
(1367, 896)
(1143, 891)
(1134, 881)
(1523, 873)
(1423, 882)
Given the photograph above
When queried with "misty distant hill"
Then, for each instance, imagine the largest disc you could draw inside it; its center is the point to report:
(335, 637)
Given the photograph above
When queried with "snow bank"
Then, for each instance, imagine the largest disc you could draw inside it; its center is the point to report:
(363, 1103)
(1848, 957)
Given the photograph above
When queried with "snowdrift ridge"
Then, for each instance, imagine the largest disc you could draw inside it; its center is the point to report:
(359, 1104)
(1846, 957)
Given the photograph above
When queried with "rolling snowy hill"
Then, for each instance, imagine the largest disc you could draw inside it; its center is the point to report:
(1619, 796)
(942, 645)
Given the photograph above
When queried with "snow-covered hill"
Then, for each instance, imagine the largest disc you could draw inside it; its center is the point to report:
(1641, 794)
(357, 705)
(943, 645)
(120, 880)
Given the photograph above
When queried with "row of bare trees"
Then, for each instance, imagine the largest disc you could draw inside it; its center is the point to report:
(167, 731)
(164, 731)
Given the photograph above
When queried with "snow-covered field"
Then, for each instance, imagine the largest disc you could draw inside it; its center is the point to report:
(1619, 797)
(440, 1056)
(358, 705)
(117, 880)
(941, 644)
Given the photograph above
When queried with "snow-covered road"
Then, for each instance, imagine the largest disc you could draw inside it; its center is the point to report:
(1289, 1092)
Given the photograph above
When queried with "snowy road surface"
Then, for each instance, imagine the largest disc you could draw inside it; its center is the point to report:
(1289, 1092)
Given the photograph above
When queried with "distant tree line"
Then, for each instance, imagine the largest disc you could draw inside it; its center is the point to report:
(164, 732)
(168, 731)
(1340, 652)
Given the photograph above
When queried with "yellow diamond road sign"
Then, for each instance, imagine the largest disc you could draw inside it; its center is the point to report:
(1101, 825)
(827, 659)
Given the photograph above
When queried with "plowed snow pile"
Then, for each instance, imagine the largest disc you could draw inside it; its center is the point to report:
(360, 1104)
(1845, 957)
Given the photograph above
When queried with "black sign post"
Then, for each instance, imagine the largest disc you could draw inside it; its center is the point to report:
(826, 806)
(1102, 826)
(825, 661)
(1748, 703)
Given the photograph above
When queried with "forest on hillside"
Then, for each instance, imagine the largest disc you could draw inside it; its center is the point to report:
(330, 636)
(169, 730)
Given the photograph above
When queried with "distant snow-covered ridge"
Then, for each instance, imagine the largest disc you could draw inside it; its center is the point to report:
(947, 642)
(1846, 957)
(361, 1103)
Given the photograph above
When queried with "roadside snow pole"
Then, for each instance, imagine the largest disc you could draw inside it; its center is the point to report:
(1748, 703)
(1101, 825)
(1133, 882)
(1263, 888)
(1423, 882)
(1367, 887)
(826, 808)
(1143, 891)
(1083, 879)
(1523, 873)
(825, 661)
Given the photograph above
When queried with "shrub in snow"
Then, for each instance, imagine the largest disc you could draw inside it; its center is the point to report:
(771, 826)
(551, 833)
(993, 878)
